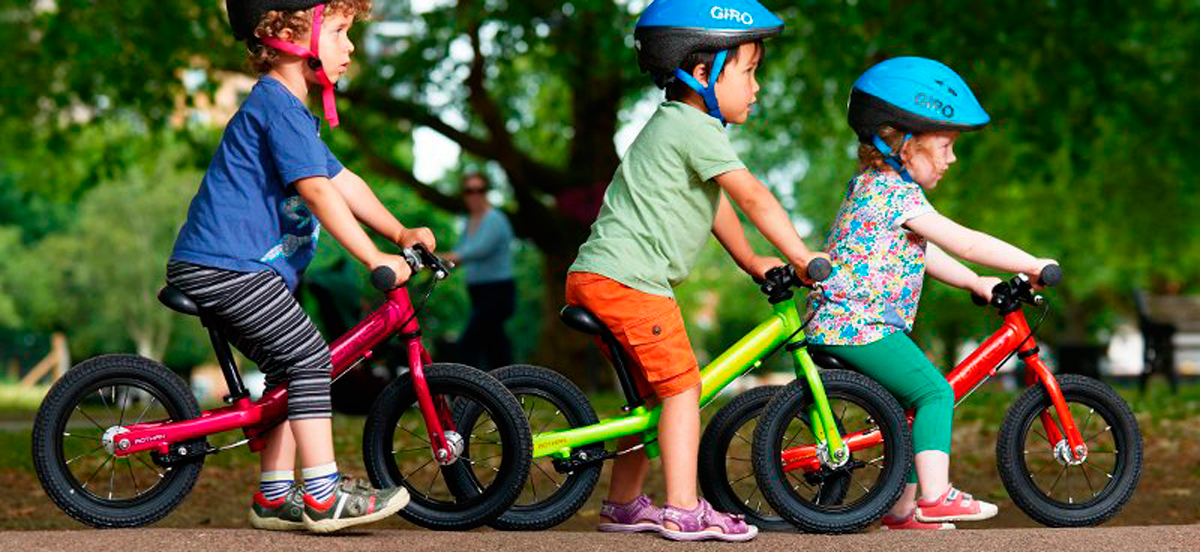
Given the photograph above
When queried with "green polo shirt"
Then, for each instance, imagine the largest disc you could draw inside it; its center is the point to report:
(659, 209)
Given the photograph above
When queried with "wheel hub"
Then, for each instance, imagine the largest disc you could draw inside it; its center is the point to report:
(455, 446)
(110, 441)
(1062, 453)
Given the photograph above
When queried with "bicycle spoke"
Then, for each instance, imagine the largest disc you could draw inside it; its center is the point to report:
(533, 487)
(1088, 480)
(395, 452)
(85, 454)
(1088, 421)
(423, 439)
(136, 491)
(432, 482)
(1098, 433)
(112, 478)
(121, 418)
(153, 400)
(745, 440)
(552, 418)
(100, 392)
(419, 468)
(85, 415)
(1056, 479)
(84, 437)
(740, 459)
(557, 484)
(742, 478)
(100, 467)
(148, 465)
(1087, 465)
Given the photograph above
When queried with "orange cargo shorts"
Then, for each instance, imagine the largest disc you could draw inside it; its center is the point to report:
(649, 327)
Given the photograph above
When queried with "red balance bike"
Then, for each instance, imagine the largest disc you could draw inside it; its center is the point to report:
(1069, 450)
(119, 441)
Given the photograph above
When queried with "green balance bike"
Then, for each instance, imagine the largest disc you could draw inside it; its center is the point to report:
(845, 493)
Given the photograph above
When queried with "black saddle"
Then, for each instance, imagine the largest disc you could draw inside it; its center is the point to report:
(177, 301)
(581, 319)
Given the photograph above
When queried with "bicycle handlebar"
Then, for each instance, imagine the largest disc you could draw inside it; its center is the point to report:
(384, 278)
(1019, 289)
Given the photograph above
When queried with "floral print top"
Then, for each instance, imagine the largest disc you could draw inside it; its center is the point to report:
(879, 266)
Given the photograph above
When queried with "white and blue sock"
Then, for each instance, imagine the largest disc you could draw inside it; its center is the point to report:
(275, 485)
(321, 481)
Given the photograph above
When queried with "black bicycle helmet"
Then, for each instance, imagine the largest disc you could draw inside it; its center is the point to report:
(244, 15)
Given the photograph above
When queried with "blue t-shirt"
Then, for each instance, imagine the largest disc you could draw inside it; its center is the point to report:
(248, 215)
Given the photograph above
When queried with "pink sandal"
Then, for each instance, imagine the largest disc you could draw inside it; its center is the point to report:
(704, 523)
(636, 516)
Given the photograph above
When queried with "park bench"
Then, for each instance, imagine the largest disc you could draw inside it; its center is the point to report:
(1169, 324)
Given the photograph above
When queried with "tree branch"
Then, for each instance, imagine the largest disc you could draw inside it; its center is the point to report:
(389, 168)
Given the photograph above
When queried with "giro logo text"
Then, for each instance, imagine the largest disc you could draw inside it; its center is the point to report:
(730, 13)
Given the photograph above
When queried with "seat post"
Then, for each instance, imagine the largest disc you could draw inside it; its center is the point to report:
(633, 399)
(233, 378)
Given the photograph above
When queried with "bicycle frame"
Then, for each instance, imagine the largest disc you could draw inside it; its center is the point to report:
(972, 372)
(256, 418)
(745, 355)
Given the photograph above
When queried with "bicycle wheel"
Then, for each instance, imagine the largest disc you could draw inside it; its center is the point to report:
(874, 477)
(1039, 475)
(396, 449)
(74, 433)
(551, 402)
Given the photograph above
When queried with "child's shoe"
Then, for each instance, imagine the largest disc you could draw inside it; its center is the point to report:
(352, 503)
(704, 523)
(954, 506)
(284, 514)
(635, 516)
(910, 523)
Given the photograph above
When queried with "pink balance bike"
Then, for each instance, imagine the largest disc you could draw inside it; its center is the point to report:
(119, 441)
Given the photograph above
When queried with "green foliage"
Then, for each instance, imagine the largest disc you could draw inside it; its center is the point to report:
(1086, 160)
(98, 278)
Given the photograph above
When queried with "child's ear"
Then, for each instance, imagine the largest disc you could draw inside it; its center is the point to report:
(700, 73)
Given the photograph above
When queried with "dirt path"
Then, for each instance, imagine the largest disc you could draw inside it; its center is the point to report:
(1163, 537)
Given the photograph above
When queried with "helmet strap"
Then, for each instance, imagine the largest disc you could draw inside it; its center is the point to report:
(709, 93)
(892, 158)
(313, 58)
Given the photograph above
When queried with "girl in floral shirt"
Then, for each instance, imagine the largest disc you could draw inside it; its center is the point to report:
(907, 113)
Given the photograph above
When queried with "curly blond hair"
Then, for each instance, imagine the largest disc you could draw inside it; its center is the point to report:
(869, 157)
(262, 57)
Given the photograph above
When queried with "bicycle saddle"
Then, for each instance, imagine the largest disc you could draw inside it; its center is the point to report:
(580, 319)
(177, 301)
(828, 361)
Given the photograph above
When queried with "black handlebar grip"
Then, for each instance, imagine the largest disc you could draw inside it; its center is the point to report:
(819, 269)
(383, 278)
(980, 301)
(1051, 275)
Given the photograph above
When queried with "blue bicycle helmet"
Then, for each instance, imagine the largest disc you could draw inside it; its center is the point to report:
(669, 30)
(913, 95)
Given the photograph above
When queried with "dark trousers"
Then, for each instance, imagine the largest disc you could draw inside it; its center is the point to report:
(483, 343)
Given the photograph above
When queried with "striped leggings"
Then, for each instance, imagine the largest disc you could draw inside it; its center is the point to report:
(264, 321)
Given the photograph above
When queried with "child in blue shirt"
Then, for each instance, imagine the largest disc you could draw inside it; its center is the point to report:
(252, 230)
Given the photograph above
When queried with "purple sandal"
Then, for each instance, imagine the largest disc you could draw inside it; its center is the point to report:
(635, 516)
(698, 524)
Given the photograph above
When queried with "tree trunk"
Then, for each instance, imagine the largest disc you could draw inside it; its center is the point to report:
(567, 351)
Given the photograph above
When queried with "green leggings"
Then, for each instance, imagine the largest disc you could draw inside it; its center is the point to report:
(900, 366)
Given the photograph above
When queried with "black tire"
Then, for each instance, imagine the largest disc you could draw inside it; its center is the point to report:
(396, 409)
(539, 390)
(859, 404)
(67, 441)
(1110, 472)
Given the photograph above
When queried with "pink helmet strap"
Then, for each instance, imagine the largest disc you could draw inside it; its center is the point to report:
(313, 54)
